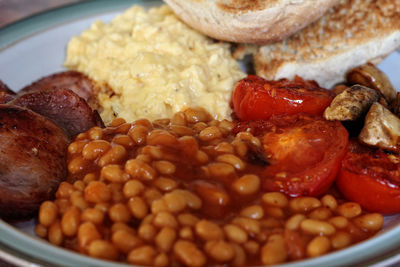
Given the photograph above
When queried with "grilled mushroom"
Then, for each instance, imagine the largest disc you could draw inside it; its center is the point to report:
(351, 104)
(396, 105)
(339, 88)
(381, 128)
(370, 76)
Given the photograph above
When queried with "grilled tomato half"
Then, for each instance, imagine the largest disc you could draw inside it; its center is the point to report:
(255, 98)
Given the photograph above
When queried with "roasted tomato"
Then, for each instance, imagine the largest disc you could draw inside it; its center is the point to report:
(371, 178)
(255, 98)
(302, 152)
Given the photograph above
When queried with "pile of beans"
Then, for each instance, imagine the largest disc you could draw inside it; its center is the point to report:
(183, 191)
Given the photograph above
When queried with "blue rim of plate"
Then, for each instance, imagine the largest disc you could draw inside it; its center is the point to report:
(18, 31)
(41, 249)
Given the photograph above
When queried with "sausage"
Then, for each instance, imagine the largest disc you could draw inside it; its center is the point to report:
(32, 160)
(5, 97)
(6, 94)
(62, 106)
(76, 81)
(351, 104)
(5, 88)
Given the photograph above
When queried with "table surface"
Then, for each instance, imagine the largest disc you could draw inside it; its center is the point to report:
(13, 10)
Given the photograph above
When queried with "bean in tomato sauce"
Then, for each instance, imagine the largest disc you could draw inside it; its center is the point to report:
(184, 191)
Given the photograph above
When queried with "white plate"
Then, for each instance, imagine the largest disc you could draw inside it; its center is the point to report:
(35, 47)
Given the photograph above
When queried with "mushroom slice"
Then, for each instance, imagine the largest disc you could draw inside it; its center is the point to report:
(396, 105)
(369, 75)
(351, 104)
(339, 88)
(381, 128)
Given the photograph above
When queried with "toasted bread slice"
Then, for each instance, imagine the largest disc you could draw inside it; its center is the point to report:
(348, 35)
(249, 21)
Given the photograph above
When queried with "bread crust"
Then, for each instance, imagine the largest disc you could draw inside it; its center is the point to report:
(348, 35)
(249, 21)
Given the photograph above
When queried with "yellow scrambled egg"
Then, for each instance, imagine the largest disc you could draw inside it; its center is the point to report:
(155, 66)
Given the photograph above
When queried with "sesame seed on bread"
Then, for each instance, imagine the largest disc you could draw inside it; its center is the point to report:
(351, 33)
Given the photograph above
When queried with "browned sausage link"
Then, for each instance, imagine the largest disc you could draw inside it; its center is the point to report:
(32, 160)
(5, 88)
(73, 80)
(64, 107)
(6, 94)
(5, 97)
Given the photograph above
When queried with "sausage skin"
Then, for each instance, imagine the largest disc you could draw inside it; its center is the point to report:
(32, 160)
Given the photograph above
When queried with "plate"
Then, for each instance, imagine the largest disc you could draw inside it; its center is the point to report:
(35, 47)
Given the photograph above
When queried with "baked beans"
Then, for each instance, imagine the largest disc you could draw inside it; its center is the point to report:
(182, 191)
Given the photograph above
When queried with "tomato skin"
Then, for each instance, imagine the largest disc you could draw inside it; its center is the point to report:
(371, 179)
(303, 152)
(255, 98)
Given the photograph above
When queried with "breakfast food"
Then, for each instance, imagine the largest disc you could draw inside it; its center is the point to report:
(189, 191)
(307, 151)
(368, 104)
(4, 88)
(301, 153)
(198, 191)
(242, 21)
(370, 177)
(65, 108)
(32, 160)
(5, 93)
(352, 33)
(371, 76)
(381, 128)
(151, 65)
(62, 97)
(36, 126)
(255, 98)
(351, 104)
(75, 81)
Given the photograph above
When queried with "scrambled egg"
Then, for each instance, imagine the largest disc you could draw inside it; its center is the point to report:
(154, 65)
